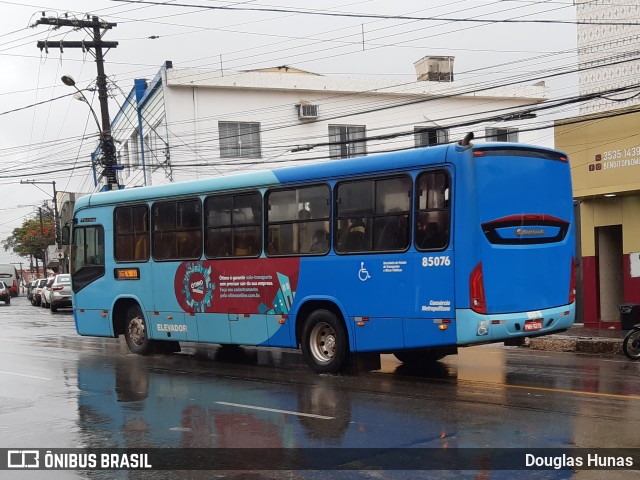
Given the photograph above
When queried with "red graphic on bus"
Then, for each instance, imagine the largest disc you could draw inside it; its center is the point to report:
(265, 286)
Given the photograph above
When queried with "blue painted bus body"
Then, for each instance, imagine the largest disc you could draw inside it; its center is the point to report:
(389, 301)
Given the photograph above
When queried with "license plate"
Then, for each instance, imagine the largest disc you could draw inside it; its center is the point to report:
(532, 325)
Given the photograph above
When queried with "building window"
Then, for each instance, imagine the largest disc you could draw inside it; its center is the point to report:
(432, 211)
(239, 139)
(233, 225)
(347, 141)
(134, 149)
(425, 137)
(131, 232)
(298, 221)
(501, 134)
(177, 230)
(373, 215)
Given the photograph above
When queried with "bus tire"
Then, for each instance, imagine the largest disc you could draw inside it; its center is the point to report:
(135, 332)
(324, 342)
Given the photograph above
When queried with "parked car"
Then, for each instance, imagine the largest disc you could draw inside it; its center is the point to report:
(5, 293)
(46, 292)
(36, 299)
(59, 294)
(30, 288)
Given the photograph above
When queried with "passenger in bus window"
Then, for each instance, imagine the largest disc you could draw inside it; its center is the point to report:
(357, 235)
(320, 242)
(428, 235)
(400, 233)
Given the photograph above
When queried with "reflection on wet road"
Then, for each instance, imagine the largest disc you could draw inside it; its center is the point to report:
(61, 390)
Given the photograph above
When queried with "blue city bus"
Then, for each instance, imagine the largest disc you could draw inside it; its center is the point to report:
(414, 253)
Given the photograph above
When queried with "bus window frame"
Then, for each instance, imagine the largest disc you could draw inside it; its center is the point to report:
(132, 234)
(297, 221)
(88, 273)
(417, 211)
(374, 215)
(176, 201)
(231, 225)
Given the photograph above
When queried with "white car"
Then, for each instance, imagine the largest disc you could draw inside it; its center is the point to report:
(36, 298)
(46, 292)
(59, 293)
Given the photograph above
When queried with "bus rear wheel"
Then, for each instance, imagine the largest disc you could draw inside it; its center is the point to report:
(136, 332)
(324, 342)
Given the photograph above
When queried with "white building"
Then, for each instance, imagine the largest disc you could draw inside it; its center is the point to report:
(189, 123)
(608, 54)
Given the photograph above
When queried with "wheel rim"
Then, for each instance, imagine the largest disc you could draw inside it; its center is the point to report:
(322, 342)
(137, 332)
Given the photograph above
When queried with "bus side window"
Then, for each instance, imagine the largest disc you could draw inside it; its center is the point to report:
(294, 216)
(233, 225)
(131, 233)
(432, 211)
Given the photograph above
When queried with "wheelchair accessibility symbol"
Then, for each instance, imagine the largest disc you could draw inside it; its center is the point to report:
(483, 328)
(363, 274)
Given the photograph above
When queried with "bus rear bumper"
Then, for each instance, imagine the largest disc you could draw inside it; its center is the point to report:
(473, 327)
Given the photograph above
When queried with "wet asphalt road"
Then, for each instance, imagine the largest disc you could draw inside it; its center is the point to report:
(59, 390)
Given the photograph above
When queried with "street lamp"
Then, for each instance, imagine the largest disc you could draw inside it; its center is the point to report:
(106, 140)
(70, 82)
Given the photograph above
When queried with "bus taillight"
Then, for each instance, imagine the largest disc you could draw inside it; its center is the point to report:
(572, 281)
(476, 290)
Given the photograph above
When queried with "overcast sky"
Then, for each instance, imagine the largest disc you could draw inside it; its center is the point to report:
(45, 142)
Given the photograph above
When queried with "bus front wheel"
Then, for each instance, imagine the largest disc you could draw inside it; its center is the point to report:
(136, 332)
(324, 342)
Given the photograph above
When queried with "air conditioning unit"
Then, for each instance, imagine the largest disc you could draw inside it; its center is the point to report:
(307, 111)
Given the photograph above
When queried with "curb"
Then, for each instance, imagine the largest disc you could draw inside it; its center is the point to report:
(566, 343)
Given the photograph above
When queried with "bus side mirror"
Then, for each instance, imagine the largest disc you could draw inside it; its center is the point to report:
(66, 235)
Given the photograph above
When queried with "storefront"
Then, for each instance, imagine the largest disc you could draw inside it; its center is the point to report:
(604, 153)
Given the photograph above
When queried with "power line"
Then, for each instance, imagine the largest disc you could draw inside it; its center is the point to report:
(379, 17)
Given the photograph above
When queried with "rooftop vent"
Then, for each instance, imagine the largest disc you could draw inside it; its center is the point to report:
(434, 69)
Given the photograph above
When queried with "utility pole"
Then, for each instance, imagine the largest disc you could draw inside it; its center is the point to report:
(95, 26)
(44, 250)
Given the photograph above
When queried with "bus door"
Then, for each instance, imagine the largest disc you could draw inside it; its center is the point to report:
(433, 322)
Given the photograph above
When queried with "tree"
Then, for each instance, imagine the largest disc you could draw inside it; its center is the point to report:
(33, 237)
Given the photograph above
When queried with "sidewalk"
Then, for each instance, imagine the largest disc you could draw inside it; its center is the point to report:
(580, 339)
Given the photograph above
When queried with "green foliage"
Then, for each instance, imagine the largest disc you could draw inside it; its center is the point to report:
(33, 236)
